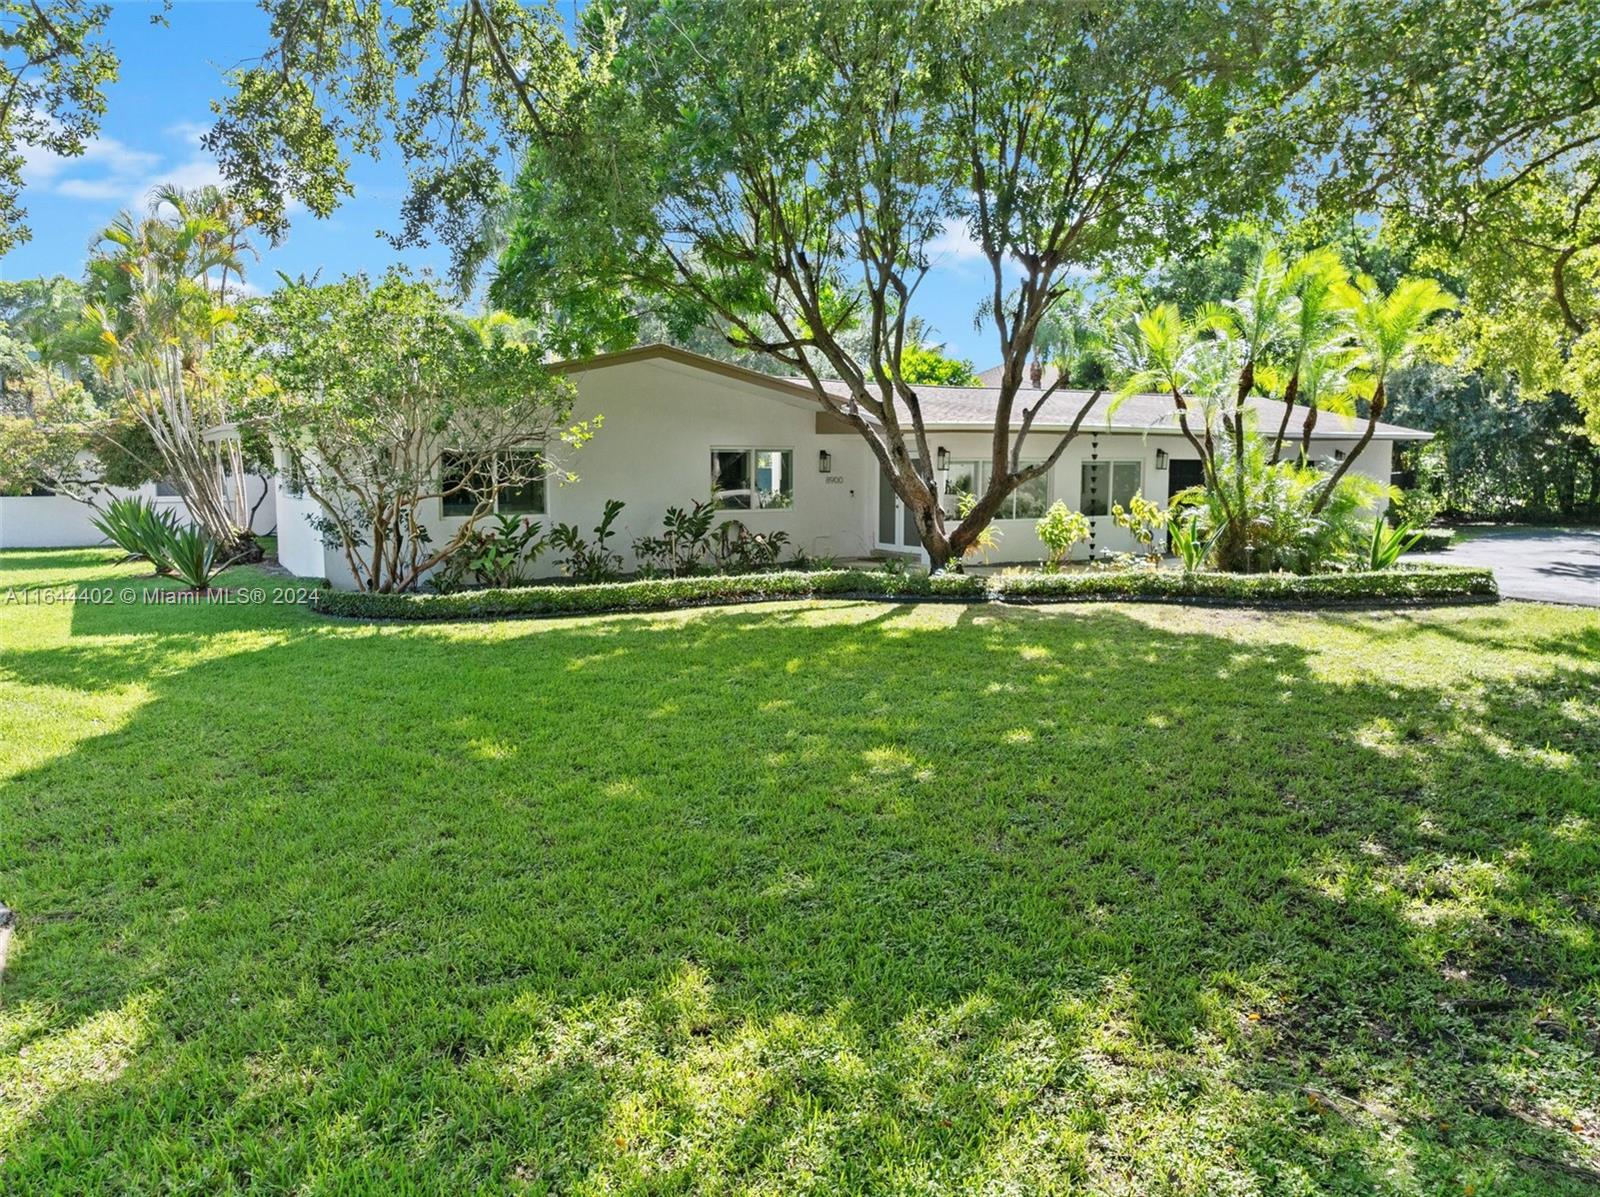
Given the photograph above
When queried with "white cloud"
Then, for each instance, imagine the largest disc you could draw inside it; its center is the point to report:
(955, 244)
(112, 170)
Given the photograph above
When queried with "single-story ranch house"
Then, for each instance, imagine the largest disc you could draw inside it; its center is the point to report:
(680, 427)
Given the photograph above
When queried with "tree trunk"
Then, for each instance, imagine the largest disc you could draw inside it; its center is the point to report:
(1373, 416)
(1289, 393)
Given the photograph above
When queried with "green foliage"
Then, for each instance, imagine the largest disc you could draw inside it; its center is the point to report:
(160, 293)
(586, 560)
(1060, 528)
(1497, 451)
(1434, 584)
(1386, 544)
(738, 550)
(1188, 542)
(928, 366)
(502, 554)
(1262, 517)
(55, 66)
(1143, 520)
(387, 401)
(140, 529)
(40, 447)
(191, 555)
(684, 543)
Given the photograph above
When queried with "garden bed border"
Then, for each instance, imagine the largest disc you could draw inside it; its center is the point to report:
(1403, 586)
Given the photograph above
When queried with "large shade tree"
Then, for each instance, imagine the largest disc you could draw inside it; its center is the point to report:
(791, 175)
(55, 65)
(784, 169)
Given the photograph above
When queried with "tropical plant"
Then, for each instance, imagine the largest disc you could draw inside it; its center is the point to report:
(1188, 543)
(1387, 329)
(684, 543)
(738, 550)
(140, 529)
(1284, 529)
(1143, 521)
(161, 290)
(501, 555)
(1060, 528)
(1387, 544)
(585, 560)
(193, 557)
(390, 405)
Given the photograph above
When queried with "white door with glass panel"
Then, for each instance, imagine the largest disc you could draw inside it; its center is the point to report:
(897, 524)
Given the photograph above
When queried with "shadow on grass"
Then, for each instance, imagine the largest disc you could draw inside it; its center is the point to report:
(835, 897)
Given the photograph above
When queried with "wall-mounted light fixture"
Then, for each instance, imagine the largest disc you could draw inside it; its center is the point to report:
(824, 461)
(941, 458)
(1161, 459)
(1338, 455)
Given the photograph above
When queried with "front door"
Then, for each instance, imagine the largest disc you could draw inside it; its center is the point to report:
(1182, 473)
(897, 524)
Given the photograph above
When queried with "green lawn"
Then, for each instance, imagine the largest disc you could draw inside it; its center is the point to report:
(798, 898)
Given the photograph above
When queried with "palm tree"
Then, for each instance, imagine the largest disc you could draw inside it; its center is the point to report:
(159, 288)
(1388, 329)
(1319, 334)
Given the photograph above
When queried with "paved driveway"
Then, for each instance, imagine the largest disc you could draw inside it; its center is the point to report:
(1549, 564)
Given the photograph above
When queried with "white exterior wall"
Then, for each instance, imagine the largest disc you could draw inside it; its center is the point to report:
(57, 522)
(1019, 542)
(661, 420)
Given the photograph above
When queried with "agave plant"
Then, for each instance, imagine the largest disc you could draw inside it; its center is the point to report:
(139, 529)
(193, 557)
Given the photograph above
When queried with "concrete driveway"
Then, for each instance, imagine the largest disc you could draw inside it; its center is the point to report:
(1551, 565)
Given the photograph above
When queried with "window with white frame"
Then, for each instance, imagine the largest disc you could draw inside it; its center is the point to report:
(459, 493)
(971, 477)
(747, 479)
(1106, 484)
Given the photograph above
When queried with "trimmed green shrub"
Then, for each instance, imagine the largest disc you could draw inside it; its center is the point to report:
(1402, 585)
(1434, 540)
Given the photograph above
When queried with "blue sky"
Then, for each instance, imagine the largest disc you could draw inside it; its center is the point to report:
(161, 105)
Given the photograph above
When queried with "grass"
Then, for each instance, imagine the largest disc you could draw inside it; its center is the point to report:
(812, 897)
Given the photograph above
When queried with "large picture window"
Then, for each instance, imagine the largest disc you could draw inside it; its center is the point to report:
(460, 494)
(1028, 502)
(1106, 484)
(745, 479)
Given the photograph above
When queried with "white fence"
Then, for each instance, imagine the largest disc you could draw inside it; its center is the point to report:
(56, 522)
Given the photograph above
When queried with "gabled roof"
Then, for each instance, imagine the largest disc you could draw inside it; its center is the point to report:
(963, 408)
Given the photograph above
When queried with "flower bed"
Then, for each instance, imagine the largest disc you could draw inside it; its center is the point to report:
(1395, 587)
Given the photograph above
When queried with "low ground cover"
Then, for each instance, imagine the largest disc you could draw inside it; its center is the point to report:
(830, 897)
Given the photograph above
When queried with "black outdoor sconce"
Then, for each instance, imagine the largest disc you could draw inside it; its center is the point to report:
(824, 462)
(942, 458)
(1161, 459)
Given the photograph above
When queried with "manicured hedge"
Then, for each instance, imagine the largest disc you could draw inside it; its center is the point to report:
(1434, 540)
(1403, 585)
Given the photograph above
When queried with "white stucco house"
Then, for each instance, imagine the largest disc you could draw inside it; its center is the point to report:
(680, 427)
(52, 521)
